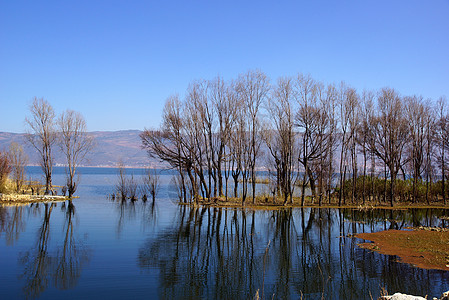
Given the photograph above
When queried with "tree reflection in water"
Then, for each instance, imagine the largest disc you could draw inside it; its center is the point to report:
(11, 223)
(220, 253)
(61, 265)
(132, 210)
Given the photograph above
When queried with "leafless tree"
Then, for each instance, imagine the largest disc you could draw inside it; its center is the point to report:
(280, 138)
(122, 183)
(237, 145)
(389, 133)
(429, 130)
(224, 100)
(198, 120)
(365, 117)
(42, 136)
(5, 169)
(75, 143)
(307, 121)
(347, 102)
(353, 107)
(253, 88)
(151, 182)
(417, 115)
(228, 120)
(18, 160)
(169, 144)
(442, 139)
(326, 139)
(132, 186)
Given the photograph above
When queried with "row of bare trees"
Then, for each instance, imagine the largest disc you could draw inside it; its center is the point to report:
(68, 132)
(304, 133)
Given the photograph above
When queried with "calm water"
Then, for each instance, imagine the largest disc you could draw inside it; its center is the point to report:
(97, 248)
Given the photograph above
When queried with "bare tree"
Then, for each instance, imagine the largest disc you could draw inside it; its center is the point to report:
(75, 144)
(132, 186)
(348, 100)
(18, 160)
(389, 132)
(5, 169)
(280, 139)
(173, 143)
(308, 120)
(253, 88)
(42, 136)
(442, 138)
(365, 116)
(429, 130)
(151, 182)
(224, 101)
(122, 182)
(417, 115)
(326, 139)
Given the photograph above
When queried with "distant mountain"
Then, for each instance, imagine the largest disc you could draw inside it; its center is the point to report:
(110, 148)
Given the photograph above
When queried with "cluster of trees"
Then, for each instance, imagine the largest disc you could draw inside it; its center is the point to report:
(45, 131)
(305, 133)
(68, 132)
(129, 187)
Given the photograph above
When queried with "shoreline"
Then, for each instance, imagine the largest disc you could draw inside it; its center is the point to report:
(25, 198)
(263, 205)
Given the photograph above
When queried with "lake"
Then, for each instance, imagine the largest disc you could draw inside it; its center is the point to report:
(94, 247)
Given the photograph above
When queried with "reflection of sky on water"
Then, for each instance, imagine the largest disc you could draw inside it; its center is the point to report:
(140, 250)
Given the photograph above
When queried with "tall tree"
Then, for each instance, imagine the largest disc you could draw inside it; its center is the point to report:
(417, 115)
(442, 137)
(75, 144)
(41, 134)
(224, 103)
(307, 121)
(5, 169)
(280, 137)
(365, 116)
(389, 132)
(253, 89)
(18, 160)
(330, 107)
(169, 143)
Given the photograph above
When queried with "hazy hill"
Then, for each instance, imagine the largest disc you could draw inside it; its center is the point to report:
(110, 148)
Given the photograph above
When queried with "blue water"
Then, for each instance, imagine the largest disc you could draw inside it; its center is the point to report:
(98, 248)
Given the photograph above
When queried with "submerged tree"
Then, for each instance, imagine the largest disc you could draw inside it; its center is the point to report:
(151, 182)
(42, 136)
(122, 183)
(75, 144)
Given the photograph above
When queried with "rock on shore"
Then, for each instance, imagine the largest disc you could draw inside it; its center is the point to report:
(399, 296)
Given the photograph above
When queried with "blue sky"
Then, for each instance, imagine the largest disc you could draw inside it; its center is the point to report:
(117, 61)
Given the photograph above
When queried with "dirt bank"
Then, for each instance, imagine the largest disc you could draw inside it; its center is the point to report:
(427, 249)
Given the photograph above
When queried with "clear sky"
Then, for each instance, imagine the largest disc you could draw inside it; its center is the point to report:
(117, 61)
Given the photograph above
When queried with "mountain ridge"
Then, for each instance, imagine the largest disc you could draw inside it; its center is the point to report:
(110, 148)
